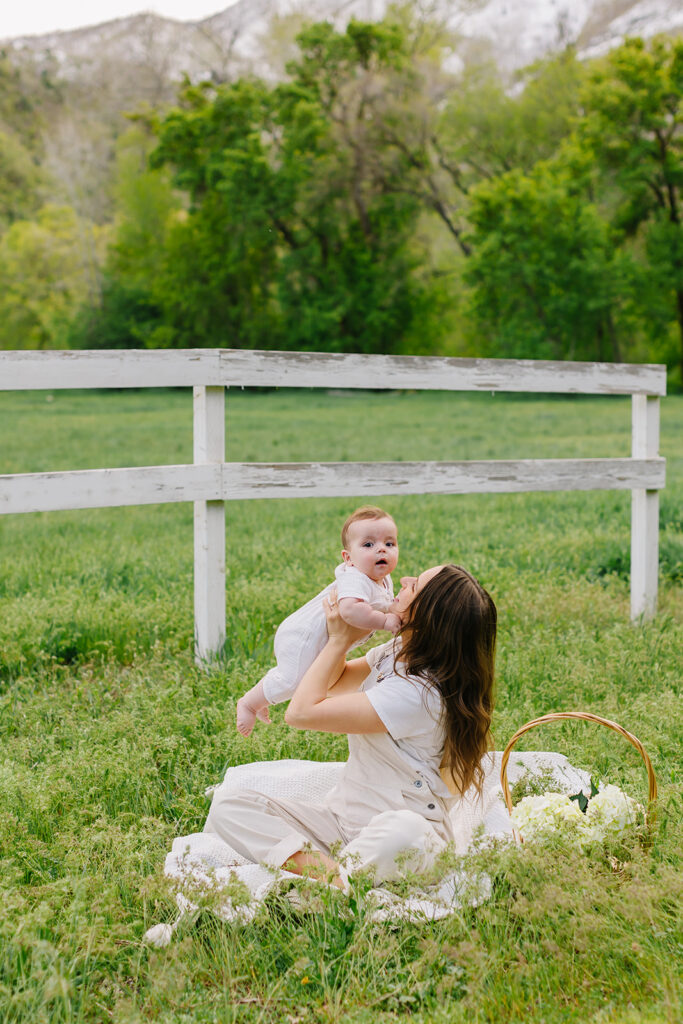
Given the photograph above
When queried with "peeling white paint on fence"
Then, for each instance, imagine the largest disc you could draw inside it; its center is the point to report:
(338, 479)
(107, 488)
(149, 368)
(238, 481)
(644, 510)
(210, 482)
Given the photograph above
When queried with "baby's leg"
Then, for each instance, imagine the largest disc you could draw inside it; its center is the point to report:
(275, 687)
(296, 649)
(251, 706)
(279, 684)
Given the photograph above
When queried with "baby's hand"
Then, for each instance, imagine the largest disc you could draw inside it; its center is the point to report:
(392, 623)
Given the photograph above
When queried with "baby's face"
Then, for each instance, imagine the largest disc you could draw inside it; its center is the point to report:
(372, 547)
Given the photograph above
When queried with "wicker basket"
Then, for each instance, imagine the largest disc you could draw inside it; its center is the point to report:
(558, 716)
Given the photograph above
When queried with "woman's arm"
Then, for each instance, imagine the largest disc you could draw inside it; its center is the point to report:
(313, 706)
(353, 674)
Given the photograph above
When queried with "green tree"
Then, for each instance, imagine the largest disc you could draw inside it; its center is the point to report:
(217, 276)
(145, 206)
(449, 132)
(546, 277)
(488, 129)
(27, 99)
(633, 128)
(21, 181)
(25, 102)
(292, 236)
(46, 275)
(128, 313)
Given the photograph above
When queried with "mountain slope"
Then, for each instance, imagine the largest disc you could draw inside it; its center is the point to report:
(233, 41)
(88, 78)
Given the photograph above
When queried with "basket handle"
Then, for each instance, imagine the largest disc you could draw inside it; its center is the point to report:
(557, 716)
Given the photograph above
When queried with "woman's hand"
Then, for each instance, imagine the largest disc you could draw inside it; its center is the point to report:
(337, 628)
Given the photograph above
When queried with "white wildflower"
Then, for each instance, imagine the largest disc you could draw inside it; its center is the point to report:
(158, 935)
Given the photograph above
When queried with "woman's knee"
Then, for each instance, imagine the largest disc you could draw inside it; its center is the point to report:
(402, 828)
(393, 843)
(229, 808)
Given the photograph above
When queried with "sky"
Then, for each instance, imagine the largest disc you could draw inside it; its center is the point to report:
(34, 17)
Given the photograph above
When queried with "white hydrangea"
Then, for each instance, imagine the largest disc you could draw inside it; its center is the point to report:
(537, 817)
(608, 813)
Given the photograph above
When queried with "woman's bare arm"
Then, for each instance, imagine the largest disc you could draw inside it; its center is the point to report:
(355, 671)
(350, 713)
(323, 699)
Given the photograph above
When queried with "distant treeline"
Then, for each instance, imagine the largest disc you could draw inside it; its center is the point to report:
(373, 201)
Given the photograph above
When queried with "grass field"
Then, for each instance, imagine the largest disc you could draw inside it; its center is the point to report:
(109, 733)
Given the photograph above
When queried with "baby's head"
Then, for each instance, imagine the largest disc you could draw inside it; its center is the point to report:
(370, 543)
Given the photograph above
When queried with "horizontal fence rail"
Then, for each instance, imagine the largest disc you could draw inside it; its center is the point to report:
(238, 481)
(24, 371)
(210, 481)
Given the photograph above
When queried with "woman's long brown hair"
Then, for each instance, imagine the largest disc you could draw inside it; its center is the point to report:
(449, 641)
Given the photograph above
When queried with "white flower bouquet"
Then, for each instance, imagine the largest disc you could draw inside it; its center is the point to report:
(585, 819)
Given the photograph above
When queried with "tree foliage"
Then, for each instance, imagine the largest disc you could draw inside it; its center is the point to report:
(377, 197)
(545, 272)
(633, 127)
(294, 234)
(128, 312)
(20, 181)
(582, 255)
(22, 112)
(47, 272)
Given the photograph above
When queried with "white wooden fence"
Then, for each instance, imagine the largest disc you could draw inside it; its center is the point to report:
(211, 481)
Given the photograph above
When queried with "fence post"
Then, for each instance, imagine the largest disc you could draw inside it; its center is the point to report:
(209, 527)
(644, 510)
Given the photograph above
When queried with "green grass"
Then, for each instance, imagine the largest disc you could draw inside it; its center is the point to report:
(109, 733)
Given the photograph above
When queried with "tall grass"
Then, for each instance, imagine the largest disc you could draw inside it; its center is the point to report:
(110, 733)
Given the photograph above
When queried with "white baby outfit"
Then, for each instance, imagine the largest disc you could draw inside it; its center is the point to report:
(390, 809)
(303, 634)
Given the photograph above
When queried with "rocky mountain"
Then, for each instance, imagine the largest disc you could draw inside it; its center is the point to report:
(240, 38)
(84, 81)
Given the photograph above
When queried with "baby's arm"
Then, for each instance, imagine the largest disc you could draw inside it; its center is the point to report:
(359, 613)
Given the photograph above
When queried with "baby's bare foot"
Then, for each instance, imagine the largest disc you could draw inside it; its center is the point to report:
(245, 717)
(247, 713)
(263, 714)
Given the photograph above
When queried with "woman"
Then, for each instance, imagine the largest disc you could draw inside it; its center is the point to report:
(409, 708)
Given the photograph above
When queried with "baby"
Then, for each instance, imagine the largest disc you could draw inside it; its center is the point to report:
(365, 595)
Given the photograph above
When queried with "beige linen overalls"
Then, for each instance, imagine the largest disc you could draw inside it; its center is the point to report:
(385, 814)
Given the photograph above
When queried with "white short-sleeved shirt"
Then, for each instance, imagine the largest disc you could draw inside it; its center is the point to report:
(398, 769)
(411, 711)
(351, 582)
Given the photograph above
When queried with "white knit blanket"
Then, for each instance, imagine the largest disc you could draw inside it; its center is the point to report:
(203, 863)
